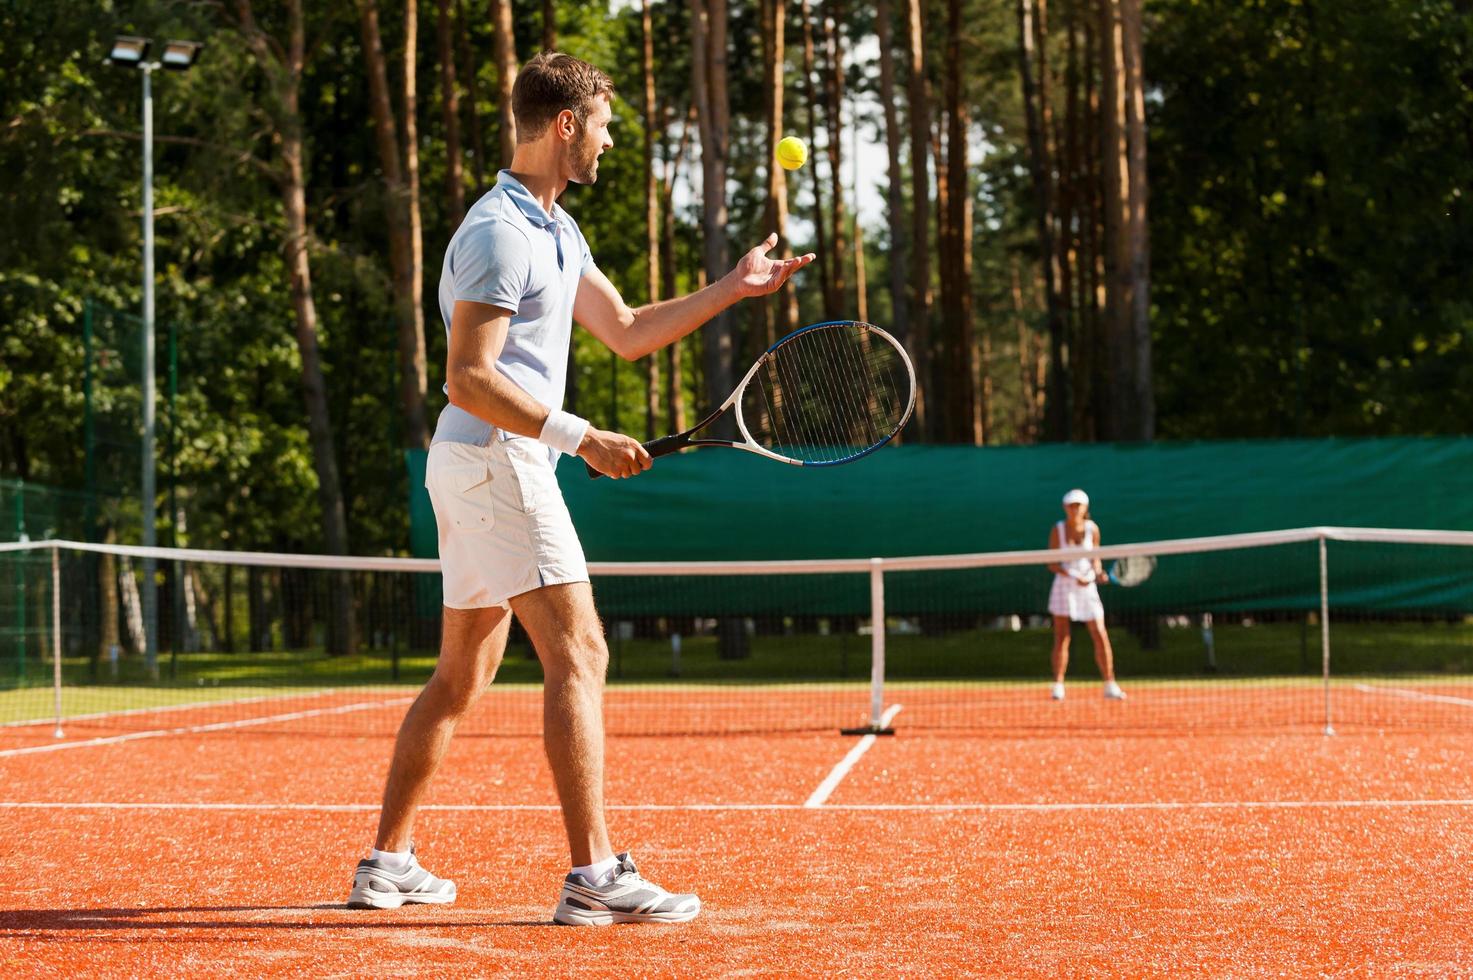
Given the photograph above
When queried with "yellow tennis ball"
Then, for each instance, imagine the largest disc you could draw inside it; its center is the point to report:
(792, 153)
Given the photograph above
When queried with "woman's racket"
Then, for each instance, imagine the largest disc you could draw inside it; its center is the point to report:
(1131, 570)
(823, 395)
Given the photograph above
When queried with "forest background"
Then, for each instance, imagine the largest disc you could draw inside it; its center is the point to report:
(1087, 219)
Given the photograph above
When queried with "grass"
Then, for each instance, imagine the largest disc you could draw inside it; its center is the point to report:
(1275, 650)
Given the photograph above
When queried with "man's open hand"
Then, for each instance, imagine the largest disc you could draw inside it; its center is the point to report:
(758, 275)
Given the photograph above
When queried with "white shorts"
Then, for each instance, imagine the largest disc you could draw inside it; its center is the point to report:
(1081, 603)
(504, 529)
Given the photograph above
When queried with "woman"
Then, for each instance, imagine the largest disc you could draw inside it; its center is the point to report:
(1075, 598)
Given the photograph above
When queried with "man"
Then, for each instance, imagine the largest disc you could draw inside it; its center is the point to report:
(516, 274)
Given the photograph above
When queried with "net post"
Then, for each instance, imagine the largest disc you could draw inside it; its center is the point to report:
(56, 637)
(876, 724)
(1325, 630)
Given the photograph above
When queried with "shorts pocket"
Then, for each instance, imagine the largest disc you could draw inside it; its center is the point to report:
(465, 493)
(530, 471)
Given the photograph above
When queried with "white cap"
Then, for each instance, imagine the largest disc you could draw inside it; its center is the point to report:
(1076, 496)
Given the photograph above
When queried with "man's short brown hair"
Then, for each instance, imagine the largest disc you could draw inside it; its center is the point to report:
(551, 82)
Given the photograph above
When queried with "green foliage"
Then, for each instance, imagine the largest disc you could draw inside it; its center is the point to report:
(1311, 165)
(1311, 234)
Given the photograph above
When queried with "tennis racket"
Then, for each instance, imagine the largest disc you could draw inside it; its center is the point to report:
(827, 394)
(1131, 570)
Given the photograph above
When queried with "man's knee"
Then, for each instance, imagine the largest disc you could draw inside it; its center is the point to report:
(469, 657)
(450, 697)
(581, 653)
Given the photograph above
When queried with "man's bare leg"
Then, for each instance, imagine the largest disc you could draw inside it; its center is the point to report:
(565, 629)
(471, 646)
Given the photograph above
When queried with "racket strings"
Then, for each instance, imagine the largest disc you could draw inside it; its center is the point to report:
(828, 394)
(857, 388)
(863, 355)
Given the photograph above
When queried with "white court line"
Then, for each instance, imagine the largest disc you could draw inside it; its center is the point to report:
(831, 782)
(1168, 805)
(1413, 695)
(216, 727)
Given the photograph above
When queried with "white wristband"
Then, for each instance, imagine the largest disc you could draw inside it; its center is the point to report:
(564, 432)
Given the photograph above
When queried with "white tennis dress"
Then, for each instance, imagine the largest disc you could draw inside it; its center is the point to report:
(1081, 603)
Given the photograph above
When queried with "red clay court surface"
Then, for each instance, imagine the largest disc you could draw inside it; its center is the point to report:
(146, 846)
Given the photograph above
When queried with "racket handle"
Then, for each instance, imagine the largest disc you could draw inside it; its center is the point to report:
(663, 446)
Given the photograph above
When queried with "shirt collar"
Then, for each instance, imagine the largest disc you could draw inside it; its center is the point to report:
(526, 202)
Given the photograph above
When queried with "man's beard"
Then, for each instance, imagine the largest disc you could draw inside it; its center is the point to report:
(585, 162)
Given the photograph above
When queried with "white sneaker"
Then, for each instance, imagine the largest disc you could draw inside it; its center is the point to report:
(1113, 692)
(1057, 692)
(629, 897)
(377, 886)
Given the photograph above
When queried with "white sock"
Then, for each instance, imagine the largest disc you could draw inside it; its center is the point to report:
(598, 872)
(395, 860)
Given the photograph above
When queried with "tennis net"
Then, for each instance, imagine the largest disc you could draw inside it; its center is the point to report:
(1306, 629)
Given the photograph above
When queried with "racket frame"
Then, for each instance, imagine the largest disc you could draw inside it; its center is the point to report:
(1132, 583)
(735, 400)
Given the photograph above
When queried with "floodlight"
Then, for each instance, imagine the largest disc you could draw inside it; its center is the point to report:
(132, 52)
(129, 50)
(179, 55)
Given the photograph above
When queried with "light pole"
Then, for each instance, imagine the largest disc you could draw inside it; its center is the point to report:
(132, 52)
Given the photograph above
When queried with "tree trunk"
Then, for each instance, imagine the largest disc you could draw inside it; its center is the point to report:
(228, 640)
(132, 608)
(1033, 57)
(1130, 409)
(981, 337)
(1138, 407)
(450, 106)
(1093, 222)
(673, 362)
(1062, 145)
(651, 211)
(415, 380)
(920, 197)
(401, 213)
(820, 233)
(314, 389)
(775, 217)
(1024, 422)
(107, 611)
(834, 45)
(1115, 173)
(549, 25)
(708, 68)
(285, 76)
(505, 53)
(1076, 202)
(257, 622)
(201, 594)
(473, 100)
(961, 394)
(946, 423)
(899, 303)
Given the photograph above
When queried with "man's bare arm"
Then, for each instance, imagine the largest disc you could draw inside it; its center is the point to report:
(477, 334)
(634, 333)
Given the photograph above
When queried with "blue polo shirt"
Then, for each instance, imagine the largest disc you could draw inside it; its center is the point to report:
(509, 252)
